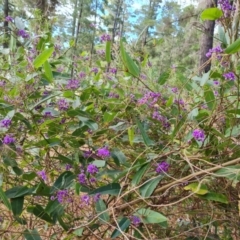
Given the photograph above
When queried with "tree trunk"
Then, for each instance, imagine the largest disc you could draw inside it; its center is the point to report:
(5, 24)
(206, 40)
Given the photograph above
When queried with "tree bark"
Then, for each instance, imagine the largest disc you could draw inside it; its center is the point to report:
(5, 24)
(206, 40)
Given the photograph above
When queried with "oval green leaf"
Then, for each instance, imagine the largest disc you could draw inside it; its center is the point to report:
(233, 48)
(211, 14)
(43, 57)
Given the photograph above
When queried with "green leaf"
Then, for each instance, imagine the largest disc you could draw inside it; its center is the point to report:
(101, 207)
(31, 235)
(64, 181)
(87, 122)
(109, 116)
(17, 205)
(118, 156)
(123, 224)
(128, 62)
(209, 97)
(222, 35)
(18, 191)
(29, 176)
(108, 51)
(43, 57)
(112, 189)
(5, 200)
(211, 14)
(147, 189)
(204, 78)
(149, 216)
(78, 232)
(39, 212)
(163, 77)
(197, 188)
(146, 139)
(217, 197)
(178, 126)
(131, 135)
(48, 71)
(54, 208)
(139, 174)
(230, 172)
(233, 48)
(42, 189)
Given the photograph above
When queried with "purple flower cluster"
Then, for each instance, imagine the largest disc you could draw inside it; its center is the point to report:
(86, 198)
(216, 82)
(162, 167)
(217, 50)
(8, 139)
(22, 33)
(113, 95)
(135, 220)
(68, 167)
(82, 74)
(174, 89)
(42, 175)
(92, 169)
(2, 83)
(161, 119)
(229, 76)
(199, 135)
(62, 104)
(105, 38)
(150, 98)
(9, 19)
(82, 178)
(48, 114)
(226, 7)
(101, 52)
(62, 195)
(73, 84)
(5, 123)
(179, 102)
(113, 70)
(103, 152)
(94, 70)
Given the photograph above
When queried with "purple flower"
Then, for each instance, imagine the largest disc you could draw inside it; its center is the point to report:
(217, 50)
(94, 70)
(5, 123)
(68, 167)
(162, 167)
(8, 139)
(92, 169)
(2, 83)
(62, 195)
(226, 7)
(22, 33)
(199, 135)
(86, 199)
(82, 74)
(62, 104)
(216, 83)
(103, 152)
(174, 89)
(135, 220)
(105, 38)
(229, 76)
(9, 19)
(48, 114)
(72, 84)
(87, 154)
(42, 174)
(96, 197)
(82, 178)
(113, 70)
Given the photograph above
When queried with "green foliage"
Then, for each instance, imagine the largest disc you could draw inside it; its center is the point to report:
(122, 142)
